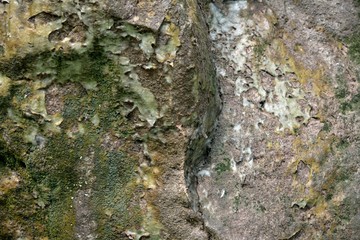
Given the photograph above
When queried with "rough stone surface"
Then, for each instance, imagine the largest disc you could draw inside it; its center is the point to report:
(99, 103)
(284, 161)
(144, 13)
(110, 123)
(338, 17)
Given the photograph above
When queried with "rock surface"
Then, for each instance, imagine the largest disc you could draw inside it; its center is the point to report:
(285, 159)
(110, 124)
(99, 103)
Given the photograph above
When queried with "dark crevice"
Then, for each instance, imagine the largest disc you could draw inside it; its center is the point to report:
(9, 159)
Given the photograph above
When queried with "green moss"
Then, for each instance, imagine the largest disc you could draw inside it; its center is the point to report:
(341, 93)
(19, 205)
(236, 203)
(61, 66)
(343, 144)
(61, 219)
(14, 68)
(354, 47)
(296, 130)
(20, 208)
(348, 209)
(9, 159)
(327, 126)
(259, 207)
(223, 166)
(260, 47)
(355, 102)
(243, 201)
(345, 106)
(56, 166)
(53, 171)
(73, 109)
(72, 66)
(115, 190)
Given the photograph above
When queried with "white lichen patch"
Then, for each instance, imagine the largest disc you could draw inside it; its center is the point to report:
(146, 45)
(276, 95)
(233, 27)
(147, 41)
(35, 104)
(30, 135)
(13, 116)
(146, 101)
(141, 97)
(81, 129)
(137, 235)
(95, 120)
(260, 97)
(236, 38)
(283, 102)
(150, 226)
(90, 85)
(204, 173)
(247, 154)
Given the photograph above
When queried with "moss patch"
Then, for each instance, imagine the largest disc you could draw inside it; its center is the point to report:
(354, 47)
(223, 166)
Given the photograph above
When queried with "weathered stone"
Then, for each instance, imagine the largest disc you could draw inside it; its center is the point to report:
(109, 109)
(97, 113)
(144, 13)
(280, 165)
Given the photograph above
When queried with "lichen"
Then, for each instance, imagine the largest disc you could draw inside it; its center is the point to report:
(8, 182)
(4, 86)
(287, 109)
(167, 53)
(315, 76)
(104, 109)
(20, 41)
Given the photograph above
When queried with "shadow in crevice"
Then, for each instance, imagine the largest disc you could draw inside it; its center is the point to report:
(9, 159)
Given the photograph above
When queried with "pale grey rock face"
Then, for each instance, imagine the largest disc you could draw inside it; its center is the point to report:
(279, 167)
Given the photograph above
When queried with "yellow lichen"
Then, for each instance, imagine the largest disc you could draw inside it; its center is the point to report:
(5, 84)
(315, 76)
(167, 53)
(21, 35)
(310, 153)
(8, 182)
(192, 11)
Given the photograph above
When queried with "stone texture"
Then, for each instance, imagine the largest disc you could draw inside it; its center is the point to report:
(148, 14)
(99, 103)
(108, 112)
(284, 162)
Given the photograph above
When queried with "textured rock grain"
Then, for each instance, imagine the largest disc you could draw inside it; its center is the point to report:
(99, 103)
(108, 110)
(284, 162)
